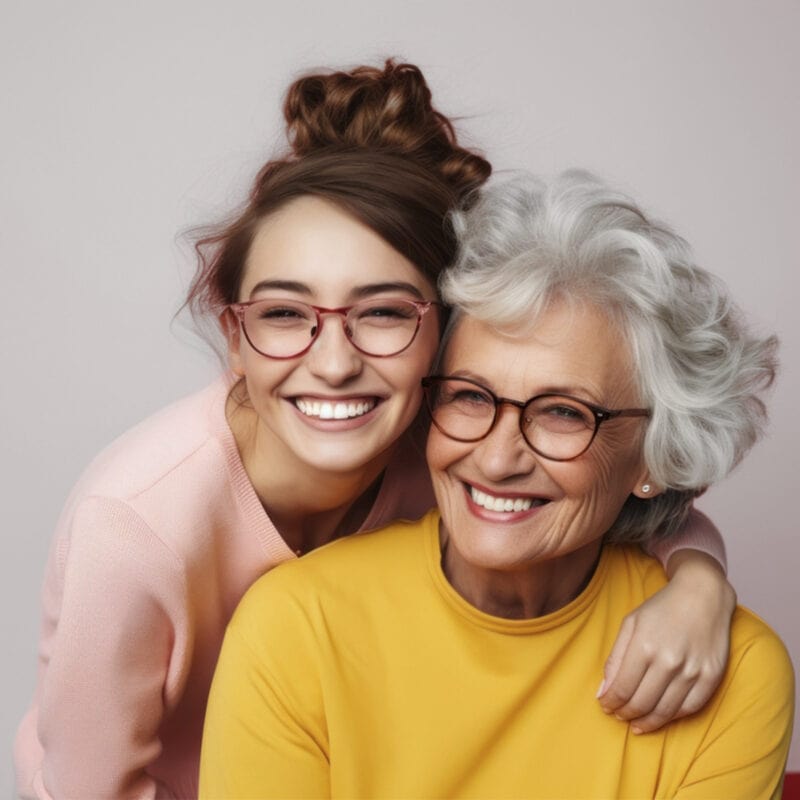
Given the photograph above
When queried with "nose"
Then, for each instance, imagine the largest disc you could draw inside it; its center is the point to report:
(504, 453)
(332, 357)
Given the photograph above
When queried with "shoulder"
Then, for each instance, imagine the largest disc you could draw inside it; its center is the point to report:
(337, 576)
(759, 652)
(757, 691)
(749, 720)
(153, 487)
(358, 557)
(154, 447)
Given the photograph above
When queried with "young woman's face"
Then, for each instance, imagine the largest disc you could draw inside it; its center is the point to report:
(333, 407)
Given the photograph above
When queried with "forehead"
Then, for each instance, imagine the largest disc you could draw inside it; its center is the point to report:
(572, 349)
(314, 242)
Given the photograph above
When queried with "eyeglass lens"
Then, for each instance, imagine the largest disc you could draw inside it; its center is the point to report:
(284, 328)
(555, 426)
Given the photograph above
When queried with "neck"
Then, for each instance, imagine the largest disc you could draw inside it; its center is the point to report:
(309, 507)
(529, 591)
(306, 526)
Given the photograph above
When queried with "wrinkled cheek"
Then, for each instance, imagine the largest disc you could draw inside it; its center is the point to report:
(450, 501)
(441, 453)
(615, 468)
(584, 520)
(601, 509)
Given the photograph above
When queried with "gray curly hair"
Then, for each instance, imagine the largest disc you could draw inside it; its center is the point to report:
(530, 242)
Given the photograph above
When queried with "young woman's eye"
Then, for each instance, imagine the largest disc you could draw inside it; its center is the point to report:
(388, 311)
(279, 313)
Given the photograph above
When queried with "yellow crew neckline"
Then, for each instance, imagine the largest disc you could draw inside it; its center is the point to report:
(474, 615)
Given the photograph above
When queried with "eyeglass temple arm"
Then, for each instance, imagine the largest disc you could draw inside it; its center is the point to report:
(602, 414)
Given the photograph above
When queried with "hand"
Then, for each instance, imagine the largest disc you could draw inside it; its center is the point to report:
(671, 652)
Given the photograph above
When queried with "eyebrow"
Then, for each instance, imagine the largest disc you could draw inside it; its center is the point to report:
(358, 292)
(286, 286)
(578, 392)
(381, 288)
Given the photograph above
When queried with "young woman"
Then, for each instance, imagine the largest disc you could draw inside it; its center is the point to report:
(325, 289)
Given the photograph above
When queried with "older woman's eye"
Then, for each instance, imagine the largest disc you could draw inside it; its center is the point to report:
(471, 396)
(562, 417)
(470, 399)
(567, 412)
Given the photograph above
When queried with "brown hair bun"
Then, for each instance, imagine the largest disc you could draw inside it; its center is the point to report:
(379, 109)
(370, 142)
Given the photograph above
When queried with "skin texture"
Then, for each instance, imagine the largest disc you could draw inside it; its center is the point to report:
(312, 251)
(529, 563)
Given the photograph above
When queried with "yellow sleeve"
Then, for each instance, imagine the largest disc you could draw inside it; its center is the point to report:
(260, 739)
(743, 754)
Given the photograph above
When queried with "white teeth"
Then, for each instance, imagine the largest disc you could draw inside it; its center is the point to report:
(506, 504)
(329, 410)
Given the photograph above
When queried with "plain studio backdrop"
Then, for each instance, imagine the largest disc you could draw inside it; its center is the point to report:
(125, 124)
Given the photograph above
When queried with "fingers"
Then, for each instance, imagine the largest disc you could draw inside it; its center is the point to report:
(650, 684)
(649, 696)
(615, 659)
(617, 695)
(652, 705)
(686, 694)
(624, 669)
(670, 653)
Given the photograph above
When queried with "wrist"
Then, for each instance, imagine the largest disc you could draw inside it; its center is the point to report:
(700, 572)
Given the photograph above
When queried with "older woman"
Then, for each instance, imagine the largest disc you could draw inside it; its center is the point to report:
(592, 382)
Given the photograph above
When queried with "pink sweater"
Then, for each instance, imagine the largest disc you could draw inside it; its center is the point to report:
(156, 545)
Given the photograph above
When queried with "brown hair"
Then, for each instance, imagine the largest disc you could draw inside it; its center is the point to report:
(370, 141)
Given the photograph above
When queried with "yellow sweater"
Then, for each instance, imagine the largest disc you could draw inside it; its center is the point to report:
(358, 671)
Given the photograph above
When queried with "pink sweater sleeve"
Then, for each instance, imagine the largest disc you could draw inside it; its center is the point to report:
(697, 533)
(116, 645)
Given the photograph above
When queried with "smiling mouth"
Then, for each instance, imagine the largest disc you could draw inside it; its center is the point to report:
(326, 409)
(507, 504)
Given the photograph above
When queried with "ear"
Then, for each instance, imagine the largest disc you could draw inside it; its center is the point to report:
(645, 488)
(232, 331)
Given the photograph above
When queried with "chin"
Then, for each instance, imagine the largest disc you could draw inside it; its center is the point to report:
(495, 555)
(341, 458)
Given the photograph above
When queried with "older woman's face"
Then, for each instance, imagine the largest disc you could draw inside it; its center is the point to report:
(571, 503)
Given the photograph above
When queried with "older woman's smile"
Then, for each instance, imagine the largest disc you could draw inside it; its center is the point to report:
(503, 504)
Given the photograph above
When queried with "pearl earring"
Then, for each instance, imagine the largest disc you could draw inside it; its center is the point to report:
(646, 488)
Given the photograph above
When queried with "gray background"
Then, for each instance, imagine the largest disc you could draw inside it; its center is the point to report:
(122, 127)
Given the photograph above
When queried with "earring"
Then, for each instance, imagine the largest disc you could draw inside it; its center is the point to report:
(645, 488)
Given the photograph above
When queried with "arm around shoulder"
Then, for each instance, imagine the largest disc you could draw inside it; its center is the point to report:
(698, 532)
(671, 652)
